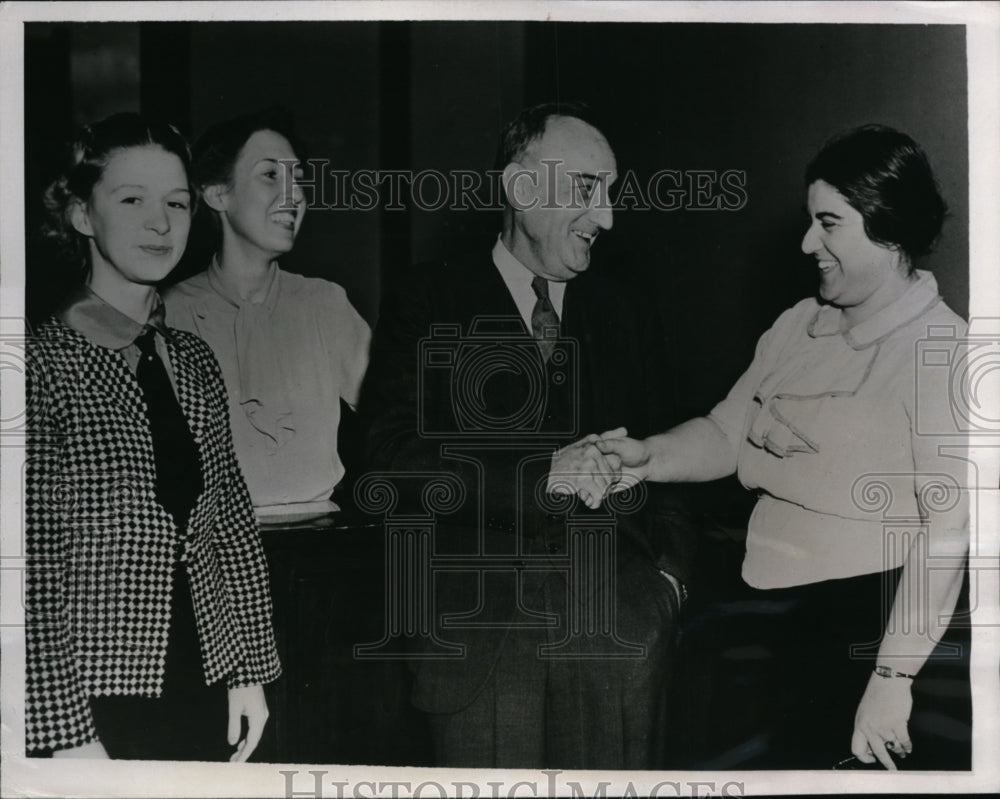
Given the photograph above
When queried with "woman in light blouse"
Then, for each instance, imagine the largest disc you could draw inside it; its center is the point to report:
(291, 347)
(841, 427)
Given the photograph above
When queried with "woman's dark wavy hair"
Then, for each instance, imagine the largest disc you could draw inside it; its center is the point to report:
(85, 157)
(885, 176)
(219, 147)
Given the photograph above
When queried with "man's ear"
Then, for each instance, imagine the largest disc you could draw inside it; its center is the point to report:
(79, 218)
(520, 186)
(214, 197)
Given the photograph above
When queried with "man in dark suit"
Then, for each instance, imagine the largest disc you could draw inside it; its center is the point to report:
(552, 620)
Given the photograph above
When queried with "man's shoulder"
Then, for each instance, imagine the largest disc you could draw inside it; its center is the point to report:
(462, 265)
(447, 274)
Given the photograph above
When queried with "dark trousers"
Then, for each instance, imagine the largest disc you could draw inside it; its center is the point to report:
(189, 720)
(598, 703)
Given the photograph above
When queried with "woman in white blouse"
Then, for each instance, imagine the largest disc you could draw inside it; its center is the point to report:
(845, 430)
(290, 347)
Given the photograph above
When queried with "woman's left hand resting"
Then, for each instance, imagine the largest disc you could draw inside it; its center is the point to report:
(249, 702)
(882, 719)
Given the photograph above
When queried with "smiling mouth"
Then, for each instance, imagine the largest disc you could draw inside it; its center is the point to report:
(825, 266)
(285, 218)
(156, 249)
(590, 238)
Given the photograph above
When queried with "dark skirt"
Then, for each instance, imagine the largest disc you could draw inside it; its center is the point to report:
(189, 720)
(824, 640)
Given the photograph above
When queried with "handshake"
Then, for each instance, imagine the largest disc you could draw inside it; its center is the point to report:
(598, 465)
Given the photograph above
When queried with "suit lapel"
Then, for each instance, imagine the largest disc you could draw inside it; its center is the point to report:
(488, 298)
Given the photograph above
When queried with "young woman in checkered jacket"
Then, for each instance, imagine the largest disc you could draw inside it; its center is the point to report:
(148, 611)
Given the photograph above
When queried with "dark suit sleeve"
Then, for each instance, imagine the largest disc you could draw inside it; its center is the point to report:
(389, 400)
(396, 394)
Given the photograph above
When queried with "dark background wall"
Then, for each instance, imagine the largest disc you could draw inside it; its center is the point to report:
(755, 98)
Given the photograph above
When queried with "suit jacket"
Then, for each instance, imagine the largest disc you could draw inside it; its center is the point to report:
(101, 549)
(440, 397)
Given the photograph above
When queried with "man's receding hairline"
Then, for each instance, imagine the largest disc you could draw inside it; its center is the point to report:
(558, 117)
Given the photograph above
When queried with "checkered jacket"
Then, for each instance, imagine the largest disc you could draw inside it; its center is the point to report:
(101, 549)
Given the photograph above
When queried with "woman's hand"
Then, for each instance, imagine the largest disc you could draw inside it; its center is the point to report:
(92, 751)
(582, 469)
(880, 724)
(249, 702)
(631, 453)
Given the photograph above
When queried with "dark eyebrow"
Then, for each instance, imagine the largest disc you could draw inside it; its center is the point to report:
(823, 215)
(141, 187)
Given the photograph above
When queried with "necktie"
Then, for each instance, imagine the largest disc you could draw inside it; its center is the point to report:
(178, 465)
(544, 322)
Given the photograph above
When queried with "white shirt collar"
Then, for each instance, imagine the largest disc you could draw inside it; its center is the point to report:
(518, 277)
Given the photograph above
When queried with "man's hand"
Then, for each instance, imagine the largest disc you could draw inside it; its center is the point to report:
(249, 702)
(92, 751)
(631, 455)
(880, 726)
(582, 469)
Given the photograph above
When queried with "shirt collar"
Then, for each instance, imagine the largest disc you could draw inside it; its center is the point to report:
(514, 273)
(920, 296)
(97, 320)
(266, 295)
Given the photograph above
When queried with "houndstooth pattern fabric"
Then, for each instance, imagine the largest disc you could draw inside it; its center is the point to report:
(101, 549)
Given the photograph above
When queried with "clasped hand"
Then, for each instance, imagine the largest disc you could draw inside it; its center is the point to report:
(597, 465)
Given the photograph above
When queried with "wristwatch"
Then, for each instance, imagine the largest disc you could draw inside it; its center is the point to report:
(885, 671)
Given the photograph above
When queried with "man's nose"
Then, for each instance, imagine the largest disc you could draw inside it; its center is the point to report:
(602, 215)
